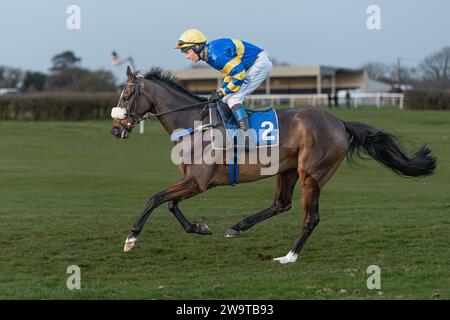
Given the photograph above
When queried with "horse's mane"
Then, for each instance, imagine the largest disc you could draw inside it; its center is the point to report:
(157, 73)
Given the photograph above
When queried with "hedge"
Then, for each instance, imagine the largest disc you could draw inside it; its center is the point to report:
(84, 106)
(427, 100)
(57, 106)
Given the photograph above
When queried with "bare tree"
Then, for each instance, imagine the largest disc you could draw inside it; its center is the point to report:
(407, 75)
(435, 69)
(10, 77)
(378, 70)
(390, 72)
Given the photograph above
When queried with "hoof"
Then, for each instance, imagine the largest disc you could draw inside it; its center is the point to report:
(129, 243)
(290, 257)
(199, 228)
(203, 229)
(231, 233)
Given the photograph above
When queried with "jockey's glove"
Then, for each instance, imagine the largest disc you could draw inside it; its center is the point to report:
(215, 96)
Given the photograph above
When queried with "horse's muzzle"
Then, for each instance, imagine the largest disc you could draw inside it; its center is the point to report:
(120, 132)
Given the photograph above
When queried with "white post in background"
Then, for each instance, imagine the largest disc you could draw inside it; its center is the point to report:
(319, 83)
(333, 84)
(141, 127)
(268, 85)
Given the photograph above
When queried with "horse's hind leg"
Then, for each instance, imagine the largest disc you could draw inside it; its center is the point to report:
(310, 203)
(188, 226)
(283, 201)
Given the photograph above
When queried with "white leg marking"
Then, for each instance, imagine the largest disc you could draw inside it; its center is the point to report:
(129, 244)
(131, 240)
(290, 257)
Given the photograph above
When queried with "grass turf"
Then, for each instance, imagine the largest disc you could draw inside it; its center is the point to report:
(69, 193)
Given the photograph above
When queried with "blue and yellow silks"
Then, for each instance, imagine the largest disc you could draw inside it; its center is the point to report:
(232, 58)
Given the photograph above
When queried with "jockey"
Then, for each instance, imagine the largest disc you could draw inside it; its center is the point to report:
(243, 65)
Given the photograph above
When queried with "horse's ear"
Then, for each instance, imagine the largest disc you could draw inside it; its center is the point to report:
(130, 74)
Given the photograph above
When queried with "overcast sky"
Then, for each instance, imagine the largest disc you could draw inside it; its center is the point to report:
(301, 32)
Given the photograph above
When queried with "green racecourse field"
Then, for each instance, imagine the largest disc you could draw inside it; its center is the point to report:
(70, 191)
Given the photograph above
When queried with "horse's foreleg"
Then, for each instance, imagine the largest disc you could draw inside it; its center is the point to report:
(184, 188)
(283, 201)
(188, 226)
(310, 203)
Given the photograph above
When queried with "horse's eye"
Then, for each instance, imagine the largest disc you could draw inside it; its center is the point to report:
(127, 96)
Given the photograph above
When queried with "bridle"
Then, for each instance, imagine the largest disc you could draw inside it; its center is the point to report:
(132, 114)
(136, 119)
(120, 113)
(134, 106)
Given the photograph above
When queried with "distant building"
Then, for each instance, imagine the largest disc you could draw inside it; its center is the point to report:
(289, 80)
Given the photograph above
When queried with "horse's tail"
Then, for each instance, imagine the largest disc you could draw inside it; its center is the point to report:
(384, 148)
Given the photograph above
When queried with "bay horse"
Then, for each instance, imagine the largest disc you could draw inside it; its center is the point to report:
(312, 145)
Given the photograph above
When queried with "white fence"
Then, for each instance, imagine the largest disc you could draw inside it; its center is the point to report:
(378, 99)
(355, 99)
(291, 99)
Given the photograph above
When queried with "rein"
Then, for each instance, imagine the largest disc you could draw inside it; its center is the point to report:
(152, 116)
(155, 115)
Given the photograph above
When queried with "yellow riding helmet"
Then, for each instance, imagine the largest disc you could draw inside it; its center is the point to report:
(190, 38)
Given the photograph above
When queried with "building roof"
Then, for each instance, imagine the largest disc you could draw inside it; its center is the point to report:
(278, 71)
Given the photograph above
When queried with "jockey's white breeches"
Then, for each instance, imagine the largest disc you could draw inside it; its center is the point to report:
(258, 72)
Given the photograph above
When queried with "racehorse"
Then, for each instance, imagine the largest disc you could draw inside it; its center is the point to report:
(312, 145)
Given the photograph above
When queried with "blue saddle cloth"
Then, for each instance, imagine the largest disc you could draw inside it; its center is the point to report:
(263, 132)
(263, 126)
